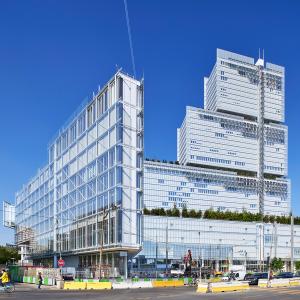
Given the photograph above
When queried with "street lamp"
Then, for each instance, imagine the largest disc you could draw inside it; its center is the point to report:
(200, 258)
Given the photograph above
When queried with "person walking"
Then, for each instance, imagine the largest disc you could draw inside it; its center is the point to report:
(40, 280)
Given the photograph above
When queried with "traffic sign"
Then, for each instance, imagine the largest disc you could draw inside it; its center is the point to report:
(61, 262)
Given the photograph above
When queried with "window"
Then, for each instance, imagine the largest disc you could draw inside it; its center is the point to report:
(119, 195)
(73, 133)
(51, 153)
(91, 114)
(81, 123)
(58, 147)
(112, 177)
(119, 175)
(112, 230)
(119, 112)
(161, 181)
(64, 141)
(103, 163)
(111, 157)
(91, 170)
(105, 231)
(217, 134)
(119, 154)
(120, 87)
(119, 133)
(105, 100)
(297, 251)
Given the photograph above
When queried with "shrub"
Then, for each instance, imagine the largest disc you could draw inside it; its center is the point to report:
(184, 213)
(192, 213)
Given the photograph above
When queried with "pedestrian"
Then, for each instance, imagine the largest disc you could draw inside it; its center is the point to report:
(40, 280)
(4, 278)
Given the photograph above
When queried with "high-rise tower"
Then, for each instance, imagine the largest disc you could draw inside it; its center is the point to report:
(241, 127)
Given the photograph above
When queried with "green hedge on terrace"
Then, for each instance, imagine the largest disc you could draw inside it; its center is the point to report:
(219, 215)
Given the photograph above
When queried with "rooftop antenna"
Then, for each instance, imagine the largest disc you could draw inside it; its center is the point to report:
(130, 38)
(258, 52)
(263, 54)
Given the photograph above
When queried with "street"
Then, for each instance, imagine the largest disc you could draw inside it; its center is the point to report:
(183, 293)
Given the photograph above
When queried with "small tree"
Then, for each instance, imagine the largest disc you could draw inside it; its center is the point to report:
(199, 214)
(192, 214)
(146, 211)
(184, 213)
(297, 265)
(277, 264)
(175, 212)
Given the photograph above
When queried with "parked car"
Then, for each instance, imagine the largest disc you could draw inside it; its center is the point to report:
(253, 278)
(233, 276)
(284, 275)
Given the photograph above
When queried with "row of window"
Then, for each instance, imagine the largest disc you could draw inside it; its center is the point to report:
(210, 159)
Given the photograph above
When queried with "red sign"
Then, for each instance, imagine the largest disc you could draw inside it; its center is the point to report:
(61, 262)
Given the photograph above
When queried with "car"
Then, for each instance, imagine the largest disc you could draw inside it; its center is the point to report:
(253, 278)
(284, 275)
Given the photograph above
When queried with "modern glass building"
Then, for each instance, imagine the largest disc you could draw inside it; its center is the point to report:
(89, 195)
(169, 184)
(231, 156)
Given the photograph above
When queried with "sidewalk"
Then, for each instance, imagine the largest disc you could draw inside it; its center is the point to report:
(23, 287)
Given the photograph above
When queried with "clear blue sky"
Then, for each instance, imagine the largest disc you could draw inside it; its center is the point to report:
(53, 54)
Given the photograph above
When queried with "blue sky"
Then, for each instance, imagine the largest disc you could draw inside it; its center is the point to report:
(53, 54)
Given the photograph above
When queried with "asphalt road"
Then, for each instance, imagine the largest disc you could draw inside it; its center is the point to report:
(182, 293)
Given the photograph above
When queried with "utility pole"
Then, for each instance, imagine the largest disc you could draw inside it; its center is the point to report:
(200, 256)
(156, 252)
(167, 245)
(292, 242)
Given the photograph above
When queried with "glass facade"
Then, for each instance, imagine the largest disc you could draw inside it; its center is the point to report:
(87, 195)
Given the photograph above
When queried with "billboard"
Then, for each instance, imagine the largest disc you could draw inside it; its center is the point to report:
(8, 215)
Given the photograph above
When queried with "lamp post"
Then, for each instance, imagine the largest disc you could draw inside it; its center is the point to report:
(200, 257)
(167, 245)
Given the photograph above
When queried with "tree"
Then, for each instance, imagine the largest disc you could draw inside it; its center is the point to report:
(175, 212)
(146, 211)
(297, 265)
(7, 253)
(277, 264)
(184, 213)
